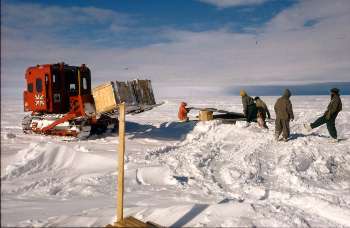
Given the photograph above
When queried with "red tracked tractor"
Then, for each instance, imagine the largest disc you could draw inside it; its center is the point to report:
(62, 102)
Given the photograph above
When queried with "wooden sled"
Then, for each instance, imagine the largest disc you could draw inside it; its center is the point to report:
(224, 116)
(133, 222)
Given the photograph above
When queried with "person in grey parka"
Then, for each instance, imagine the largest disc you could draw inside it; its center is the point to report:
(284, 114)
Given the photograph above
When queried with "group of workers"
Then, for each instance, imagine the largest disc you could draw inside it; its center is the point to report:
(256, 110)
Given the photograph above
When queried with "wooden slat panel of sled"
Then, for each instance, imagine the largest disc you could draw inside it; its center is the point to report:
(125, 93)
(104, 97)
(143, 91)
(133, 222)
(137, 94)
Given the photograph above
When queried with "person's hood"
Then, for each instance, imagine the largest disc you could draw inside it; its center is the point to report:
(334, 95)
(183, 104)
(335, 90)
(242, 93)
(287, 93)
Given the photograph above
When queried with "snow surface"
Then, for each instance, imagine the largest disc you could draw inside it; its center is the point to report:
(180, 174)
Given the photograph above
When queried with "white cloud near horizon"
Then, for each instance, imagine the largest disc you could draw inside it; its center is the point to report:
(283, 51)
(232, 3)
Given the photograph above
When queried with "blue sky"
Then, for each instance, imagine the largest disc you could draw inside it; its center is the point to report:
(183, 14)
(140, 22)
(183, 43)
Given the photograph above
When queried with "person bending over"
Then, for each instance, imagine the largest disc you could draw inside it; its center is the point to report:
(183, 111)
(249, 107)
(263, 112)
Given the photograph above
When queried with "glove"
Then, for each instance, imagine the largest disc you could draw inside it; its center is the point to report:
(328, 116)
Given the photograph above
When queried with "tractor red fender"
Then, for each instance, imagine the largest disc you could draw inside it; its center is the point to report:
(67, 117)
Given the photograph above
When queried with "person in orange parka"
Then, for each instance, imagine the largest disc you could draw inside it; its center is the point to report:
(182, 115)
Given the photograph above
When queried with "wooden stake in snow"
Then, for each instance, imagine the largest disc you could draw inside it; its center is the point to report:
(129, 221)
(121, 152)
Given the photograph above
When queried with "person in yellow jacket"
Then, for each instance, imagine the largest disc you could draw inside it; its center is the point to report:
(263, 112)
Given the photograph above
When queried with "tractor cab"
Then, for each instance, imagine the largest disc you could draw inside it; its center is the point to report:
(51, 88)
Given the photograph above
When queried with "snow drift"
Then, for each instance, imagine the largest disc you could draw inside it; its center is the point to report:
(204, 174)
(234, 161)
(155, 176)
(44, 157)
(44, 168)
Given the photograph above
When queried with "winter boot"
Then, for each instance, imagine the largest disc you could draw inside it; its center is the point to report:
(277, 137)
(307, 127)
(333, 140)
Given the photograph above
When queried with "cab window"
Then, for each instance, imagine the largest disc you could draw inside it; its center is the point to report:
(85, 86)
(85, 82)
(71, 78)
(39, 85)
(56, 81)
(72, 88)
(30, 87)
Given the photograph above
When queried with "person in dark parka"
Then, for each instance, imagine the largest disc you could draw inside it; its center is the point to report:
(284, 114)
(249, 107)
(333, 108)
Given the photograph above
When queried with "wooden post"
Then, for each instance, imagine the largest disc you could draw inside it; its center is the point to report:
(121, 152)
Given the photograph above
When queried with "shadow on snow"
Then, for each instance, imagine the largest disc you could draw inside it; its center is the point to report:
(166, 131)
